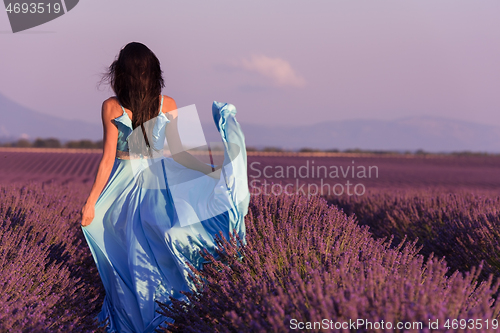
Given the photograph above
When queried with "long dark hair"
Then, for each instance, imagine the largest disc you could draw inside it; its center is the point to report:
(136, 78)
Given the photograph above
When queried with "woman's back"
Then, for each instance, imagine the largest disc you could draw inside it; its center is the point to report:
(125, 128)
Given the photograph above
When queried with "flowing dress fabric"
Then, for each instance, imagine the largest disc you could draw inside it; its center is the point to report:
(139, 237)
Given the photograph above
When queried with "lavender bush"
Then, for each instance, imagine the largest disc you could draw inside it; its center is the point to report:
(48, 280)
(461, 226)
(306, 261)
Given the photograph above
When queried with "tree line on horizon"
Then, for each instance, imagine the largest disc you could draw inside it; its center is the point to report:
(54, 143)
(89, 144)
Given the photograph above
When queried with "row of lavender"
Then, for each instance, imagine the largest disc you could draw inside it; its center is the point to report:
(463, 226)
(305, 261)
(372, 172)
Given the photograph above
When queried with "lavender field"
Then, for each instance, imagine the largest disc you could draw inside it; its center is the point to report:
(405, 171)
(420, 246)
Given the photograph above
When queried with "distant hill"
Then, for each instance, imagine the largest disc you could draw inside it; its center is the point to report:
(431, 134)
(18, 121)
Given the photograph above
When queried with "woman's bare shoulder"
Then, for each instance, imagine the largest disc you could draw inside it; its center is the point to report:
(111, 100)
(111, 103)
(111, 107)
(169, 106)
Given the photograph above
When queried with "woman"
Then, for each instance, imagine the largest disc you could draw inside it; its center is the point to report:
(148, 215)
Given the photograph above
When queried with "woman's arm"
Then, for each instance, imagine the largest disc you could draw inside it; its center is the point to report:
(110, 138)
(175, 145)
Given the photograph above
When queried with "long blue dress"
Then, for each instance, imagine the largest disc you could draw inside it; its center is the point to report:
(154, 215)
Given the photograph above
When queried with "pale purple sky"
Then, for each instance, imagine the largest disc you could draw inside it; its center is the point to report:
(278, 62)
